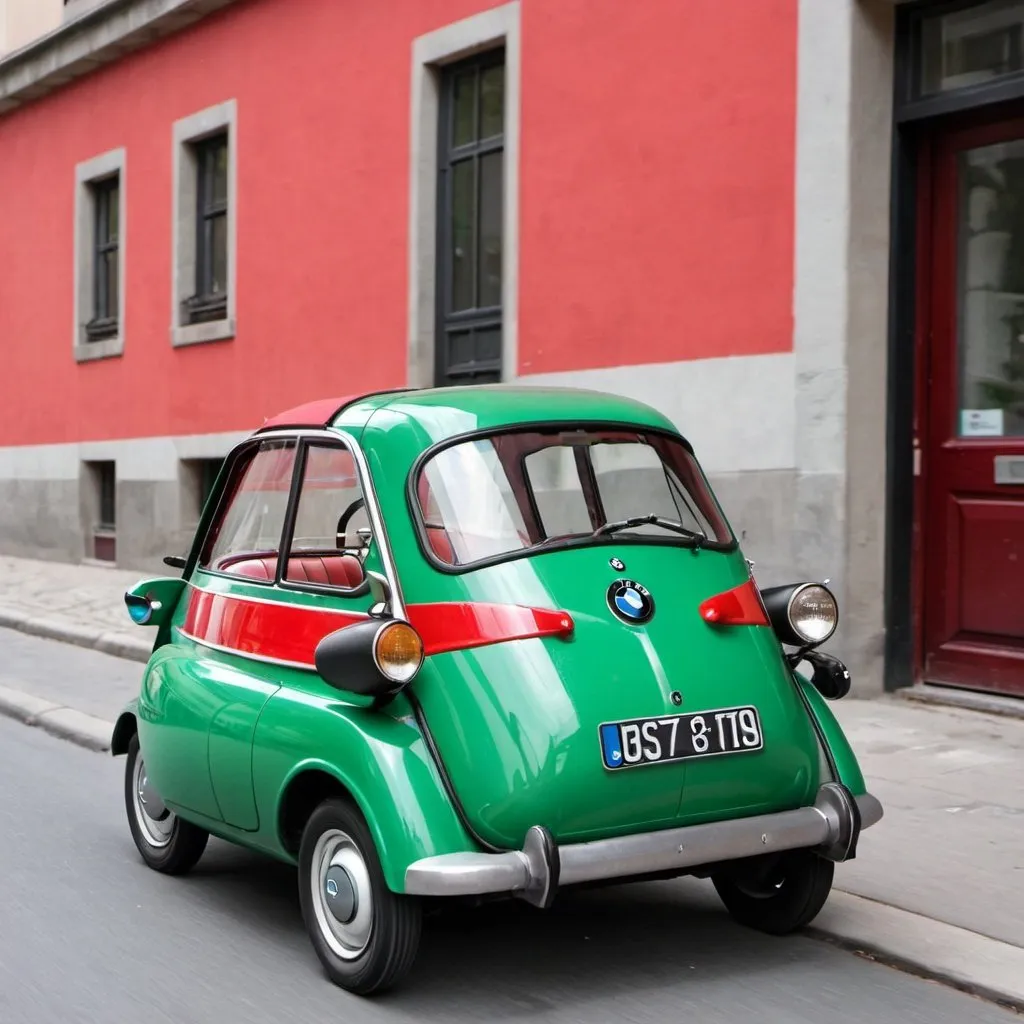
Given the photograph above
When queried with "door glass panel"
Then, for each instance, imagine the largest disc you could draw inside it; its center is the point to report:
(464, 113)
(967, 47)
(246, 535)
(463, 235)
(490, 229)
(991, 285)
(492, 101)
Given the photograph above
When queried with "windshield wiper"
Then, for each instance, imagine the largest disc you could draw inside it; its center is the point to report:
(651, 520)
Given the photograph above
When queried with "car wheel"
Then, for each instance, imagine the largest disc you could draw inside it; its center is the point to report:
(780, 896)
(167, 843)
(365, 935)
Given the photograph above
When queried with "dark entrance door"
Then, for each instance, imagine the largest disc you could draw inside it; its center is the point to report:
(972, 412)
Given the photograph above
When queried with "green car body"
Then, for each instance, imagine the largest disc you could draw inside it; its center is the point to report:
(484, 774)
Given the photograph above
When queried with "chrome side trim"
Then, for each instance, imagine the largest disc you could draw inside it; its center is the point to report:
(249, 655)
(824, 826)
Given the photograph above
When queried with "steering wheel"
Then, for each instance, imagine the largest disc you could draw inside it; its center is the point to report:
(346, 517)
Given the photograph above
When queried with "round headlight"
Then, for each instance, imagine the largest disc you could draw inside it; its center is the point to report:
(398, 651)
(813, 613)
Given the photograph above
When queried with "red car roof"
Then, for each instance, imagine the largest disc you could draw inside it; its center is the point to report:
(320, 412)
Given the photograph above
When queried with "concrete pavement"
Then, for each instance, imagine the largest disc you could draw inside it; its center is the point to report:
(77, 604)
(937, 886)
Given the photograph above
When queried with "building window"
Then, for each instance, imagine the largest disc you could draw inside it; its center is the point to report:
(470, 222)
(100, 257)
(980, 43)
(204, 226)
(101, 510)
(106, 196)
(197, 478)
(210, 299)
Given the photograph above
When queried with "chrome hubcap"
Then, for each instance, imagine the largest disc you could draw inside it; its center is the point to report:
(155, 821)
(342, 901)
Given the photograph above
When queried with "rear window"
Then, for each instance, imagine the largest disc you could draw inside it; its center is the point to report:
(491, 497)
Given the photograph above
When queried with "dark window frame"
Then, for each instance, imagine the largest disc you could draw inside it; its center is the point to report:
(105, 322)
(477, 318)
(206, 304)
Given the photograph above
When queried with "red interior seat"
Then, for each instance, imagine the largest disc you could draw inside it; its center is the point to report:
(328, 570)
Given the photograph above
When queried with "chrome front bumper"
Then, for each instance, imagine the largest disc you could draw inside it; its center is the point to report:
(831, 826)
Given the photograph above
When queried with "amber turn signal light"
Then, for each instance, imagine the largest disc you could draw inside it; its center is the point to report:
(398, 651)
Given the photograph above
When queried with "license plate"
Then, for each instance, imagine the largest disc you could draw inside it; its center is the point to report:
(642, 741)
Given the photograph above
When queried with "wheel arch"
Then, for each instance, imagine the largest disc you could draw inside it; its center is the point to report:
(304, 791)
(126, 726)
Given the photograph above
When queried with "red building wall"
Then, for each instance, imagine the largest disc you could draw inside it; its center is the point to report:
(656, 206)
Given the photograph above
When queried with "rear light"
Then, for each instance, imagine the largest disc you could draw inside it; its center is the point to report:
(740, 606)
(398, 651)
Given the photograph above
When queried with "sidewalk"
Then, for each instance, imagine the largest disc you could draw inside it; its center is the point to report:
(938, 885)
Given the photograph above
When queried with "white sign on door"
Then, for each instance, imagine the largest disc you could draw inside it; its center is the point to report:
(981, 423)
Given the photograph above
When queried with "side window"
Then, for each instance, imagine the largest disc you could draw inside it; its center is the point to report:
(246, 536)
(331, 537)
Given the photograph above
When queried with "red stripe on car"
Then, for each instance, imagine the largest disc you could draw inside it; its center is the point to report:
(289, 632)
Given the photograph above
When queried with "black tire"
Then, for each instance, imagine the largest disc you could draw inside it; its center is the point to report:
(180, 844)
(779, 897)
(382, 944)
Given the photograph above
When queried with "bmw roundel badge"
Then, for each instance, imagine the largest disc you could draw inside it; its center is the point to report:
(630, 601)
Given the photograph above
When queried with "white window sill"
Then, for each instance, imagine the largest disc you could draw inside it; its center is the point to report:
(108, 348)
(199, 334)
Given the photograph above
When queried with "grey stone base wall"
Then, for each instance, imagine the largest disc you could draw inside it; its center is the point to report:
(51, 520)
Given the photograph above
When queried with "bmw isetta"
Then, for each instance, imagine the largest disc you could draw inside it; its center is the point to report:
(485, 642)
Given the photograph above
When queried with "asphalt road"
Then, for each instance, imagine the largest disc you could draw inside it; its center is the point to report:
(90, 681)
(88, 934)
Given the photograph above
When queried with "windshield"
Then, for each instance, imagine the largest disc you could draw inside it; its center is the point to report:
(501, 495)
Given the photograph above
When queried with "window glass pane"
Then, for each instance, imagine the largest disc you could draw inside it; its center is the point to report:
(463, 233)
(991, 301)
(490, 229)
(971, 46)
(110, 259)
(247, 534)
(100, 289)
(112, 210)
(219, 159)
(555, 481)
(471, 497)
(464, 108)
(492, 102)
(219, 254)
(332, 527)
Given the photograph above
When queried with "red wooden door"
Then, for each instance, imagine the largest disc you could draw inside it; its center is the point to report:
(972, 412)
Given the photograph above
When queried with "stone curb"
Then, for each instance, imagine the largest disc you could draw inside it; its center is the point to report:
(119, 645)
(57, 719)
(924, 695)
(958, 957)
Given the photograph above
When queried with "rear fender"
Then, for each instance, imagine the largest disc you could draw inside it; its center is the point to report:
(832, 732)
(388, 772)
